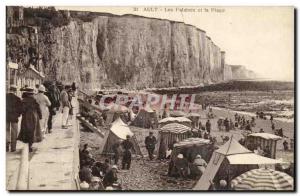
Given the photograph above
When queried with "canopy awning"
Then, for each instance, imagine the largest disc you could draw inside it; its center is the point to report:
(192, 141)
(267, 136)
(175, 128)
(250, 159)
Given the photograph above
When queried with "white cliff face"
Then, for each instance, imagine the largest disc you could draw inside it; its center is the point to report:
(133, 52)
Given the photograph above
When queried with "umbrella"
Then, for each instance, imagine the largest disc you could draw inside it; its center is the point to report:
(263, 179)
(175, 128)
(173, 119)
(167, 120)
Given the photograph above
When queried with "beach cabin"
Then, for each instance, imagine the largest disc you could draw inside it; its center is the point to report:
(263, 140)
(30, 77)
(229, 161)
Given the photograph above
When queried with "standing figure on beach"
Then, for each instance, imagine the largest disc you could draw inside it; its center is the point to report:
(126, 159)
(273, 126)
(150, 142)
(208, 126)
(285, 145)
(44, 103)
(30, 125)
(117, 151)
(271, 117)
(226, 124)
(13, 112)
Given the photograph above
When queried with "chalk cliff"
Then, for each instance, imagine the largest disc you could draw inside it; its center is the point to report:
(129, 51)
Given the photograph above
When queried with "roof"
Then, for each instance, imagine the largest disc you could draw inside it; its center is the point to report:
(232, 147)
(175, 128)
(267, 136)
(192, 141)
(31, 68)
(175, 119)
(120, 129)
(250, 159)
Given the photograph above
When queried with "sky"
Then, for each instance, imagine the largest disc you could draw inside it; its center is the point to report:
(260, 38)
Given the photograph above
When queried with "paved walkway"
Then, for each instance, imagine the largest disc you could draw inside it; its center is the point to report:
(13, 160)
(54, 163)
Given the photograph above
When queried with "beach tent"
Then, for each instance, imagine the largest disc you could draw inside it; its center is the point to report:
(199, 145)
(116, 111)
(146, 118)
(228, 162)
(263, 140)
(118, 131)
(173, 132)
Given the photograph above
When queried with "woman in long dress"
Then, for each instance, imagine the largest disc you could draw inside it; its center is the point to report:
(30, 125)
(44, 103)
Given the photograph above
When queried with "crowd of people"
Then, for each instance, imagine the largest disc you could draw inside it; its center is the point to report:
(104, 172)
(37, 106)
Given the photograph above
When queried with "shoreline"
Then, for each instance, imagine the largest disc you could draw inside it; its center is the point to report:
(286, 120)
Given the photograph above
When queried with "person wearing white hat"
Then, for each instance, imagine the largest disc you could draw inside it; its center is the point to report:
(95, 184)
(200, 163)
(111, 177)
(13, 112)
(223, 185)
(181, 166)
(109, 188)
(84, 186)
(44, 103)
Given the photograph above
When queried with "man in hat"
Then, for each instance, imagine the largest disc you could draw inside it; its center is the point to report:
(111, 177)
(181, 165)
(66, 105)
(208, 126)
(53, 97)
(127, 146)
(150, 142)
(30, 125)
(117, 151)
(85, 173)
(44, 103)
(13, 112)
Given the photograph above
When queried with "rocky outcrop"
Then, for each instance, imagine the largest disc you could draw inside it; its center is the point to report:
(130, 51)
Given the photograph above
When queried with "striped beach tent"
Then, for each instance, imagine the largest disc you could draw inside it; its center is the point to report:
(173, 132)
(263, 179)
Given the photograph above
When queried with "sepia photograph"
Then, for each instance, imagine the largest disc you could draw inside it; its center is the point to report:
(150, 98)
